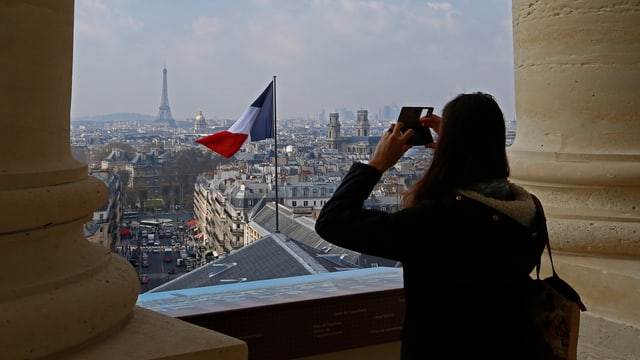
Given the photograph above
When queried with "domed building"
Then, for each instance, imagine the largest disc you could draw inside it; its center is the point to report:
(201, 124)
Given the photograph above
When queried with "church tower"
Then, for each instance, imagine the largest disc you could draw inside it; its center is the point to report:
(334, 139)
(334, 126)
(164, 114)
(362, 123)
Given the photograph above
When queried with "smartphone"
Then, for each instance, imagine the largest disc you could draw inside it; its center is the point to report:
(410, 116)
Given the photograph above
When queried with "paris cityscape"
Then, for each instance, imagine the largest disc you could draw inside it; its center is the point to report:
(201, 207)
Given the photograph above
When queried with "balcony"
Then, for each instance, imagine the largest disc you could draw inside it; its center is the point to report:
(351, 313)
(582, 159)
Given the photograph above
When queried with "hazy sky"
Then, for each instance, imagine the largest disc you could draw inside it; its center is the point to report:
(325, 54)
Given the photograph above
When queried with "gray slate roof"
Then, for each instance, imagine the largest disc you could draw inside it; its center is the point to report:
(273, 256)
(302, 228)
(300, 252)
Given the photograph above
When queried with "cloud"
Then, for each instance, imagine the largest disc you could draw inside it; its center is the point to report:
(96, 20)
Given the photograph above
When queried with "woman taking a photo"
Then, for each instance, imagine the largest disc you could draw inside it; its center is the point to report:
(467, 237)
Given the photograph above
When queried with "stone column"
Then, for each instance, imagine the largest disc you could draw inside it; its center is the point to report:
(577, 89)
(57, 289)
(60, 295)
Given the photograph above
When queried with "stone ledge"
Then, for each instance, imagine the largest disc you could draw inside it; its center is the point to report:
(151, 335)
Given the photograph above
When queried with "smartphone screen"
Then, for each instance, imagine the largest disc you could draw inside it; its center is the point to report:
(410, 116)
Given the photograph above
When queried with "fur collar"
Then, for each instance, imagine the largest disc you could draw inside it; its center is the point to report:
(520, 207)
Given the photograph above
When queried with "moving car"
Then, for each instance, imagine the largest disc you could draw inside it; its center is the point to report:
(167, 255)
(144, 278)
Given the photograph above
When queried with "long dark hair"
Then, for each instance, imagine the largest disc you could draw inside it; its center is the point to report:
(471, 148)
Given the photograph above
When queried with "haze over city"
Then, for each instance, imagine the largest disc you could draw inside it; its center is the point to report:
(326, 55)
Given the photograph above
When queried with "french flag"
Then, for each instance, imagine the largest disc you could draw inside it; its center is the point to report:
(255, 124)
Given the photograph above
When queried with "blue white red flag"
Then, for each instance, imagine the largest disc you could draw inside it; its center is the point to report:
(255, 124)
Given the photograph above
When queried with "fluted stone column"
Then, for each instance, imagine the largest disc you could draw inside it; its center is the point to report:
(60, 295)
(577, 89)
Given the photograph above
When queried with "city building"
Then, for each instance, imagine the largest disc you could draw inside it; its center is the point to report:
(152, 177)
(361, 143)
(201, 124)
(104, 227)
(116, 161)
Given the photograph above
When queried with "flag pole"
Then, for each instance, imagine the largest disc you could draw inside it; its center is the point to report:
(275, 145)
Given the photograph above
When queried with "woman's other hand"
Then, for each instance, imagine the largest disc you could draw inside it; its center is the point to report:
(434, 121)
(391, 147)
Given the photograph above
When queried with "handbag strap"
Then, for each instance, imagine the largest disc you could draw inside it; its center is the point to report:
(546, 238)
(558, 284)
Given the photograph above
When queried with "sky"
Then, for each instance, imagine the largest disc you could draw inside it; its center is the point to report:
(326, 55)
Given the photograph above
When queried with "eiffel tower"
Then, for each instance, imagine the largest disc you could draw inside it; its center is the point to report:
(164, 115)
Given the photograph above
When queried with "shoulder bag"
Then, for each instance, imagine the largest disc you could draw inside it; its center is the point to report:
(555, 308)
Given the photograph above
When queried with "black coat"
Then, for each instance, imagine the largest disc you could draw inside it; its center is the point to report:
(466, 265)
